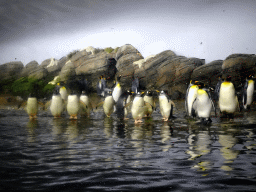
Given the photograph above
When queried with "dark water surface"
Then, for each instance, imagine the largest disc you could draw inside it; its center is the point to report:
(104, 154)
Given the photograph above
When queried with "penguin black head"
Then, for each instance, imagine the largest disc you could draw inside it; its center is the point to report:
(119, 77)
(149, 93)
(201, 85)
(56, 91)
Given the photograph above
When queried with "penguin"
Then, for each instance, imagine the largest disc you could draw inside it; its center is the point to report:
(148, 98)
(248, 90)
(63, 91)
(108, 105)
(228, 100)
(117, 91)
(101, 86)
(86, 105)
(190, 97)
(56, 104)
(73, 105)
(166, 105)
(217, 89)
(122, 105)
(203, 104)
(32, 106)
(136, 85)
(138, 108)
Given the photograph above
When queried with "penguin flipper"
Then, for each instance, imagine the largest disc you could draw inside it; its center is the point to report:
(99, 104)
(245, 93)
(213, 105)
(128, 104)
(237, 104)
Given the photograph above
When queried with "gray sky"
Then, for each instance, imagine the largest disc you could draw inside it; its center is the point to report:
(207, 29)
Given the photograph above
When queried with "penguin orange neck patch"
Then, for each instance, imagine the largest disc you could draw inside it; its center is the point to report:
(201, 91)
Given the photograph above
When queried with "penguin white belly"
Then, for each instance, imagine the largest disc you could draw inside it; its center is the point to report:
(73, 105)
(203, 106)
(191, 98)
(108, 105)
(138, 108)
(250, 91)
(227, 99)
(117, 93)
(165, 106)
(56, 107)
(32, 107)
(85, 107)
(149, 100)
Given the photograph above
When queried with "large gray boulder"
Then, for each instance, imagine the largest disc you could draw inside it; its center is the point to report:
(31, 66)
(10, 70)
(67, 71)
(167, 71)
(238, 66)
(38, 73)
(208, 73)
(125, 57)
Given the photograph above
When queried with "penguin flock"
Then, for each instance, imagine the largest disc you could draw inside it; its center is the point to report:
(200, 101)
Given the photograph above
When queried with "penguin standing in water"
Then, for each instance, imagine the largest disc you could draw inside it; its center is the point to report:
(73, 105)
(228, 101)
(108, 105)
(203, 104)
(57, 104)
(217, 89)
(86, 107)
(190, 97)
(63, 91)
(166, 105)
(122, 105)
(32, 106)
(101, 86)
(148, 98)
(247, 95)
(117, 91)
(136, 85)
(138, 108)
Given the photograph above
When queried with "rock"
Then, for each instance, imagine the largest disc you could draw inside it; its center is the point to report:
(208, 73)
(126, 56)
(53, 66)
(125, 50)
(45, 63)
(10, 70)
(31, 66)
(68, 70)
(38, 73)
(167, 71)
(62, 62)
(91, 66)
(239, 66)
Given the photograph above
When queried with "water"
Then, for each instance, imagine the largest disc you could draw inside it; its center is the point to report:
(104, 154)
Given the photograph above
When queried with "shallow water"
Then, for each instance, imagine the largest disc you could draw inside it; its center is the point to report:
(104, 154)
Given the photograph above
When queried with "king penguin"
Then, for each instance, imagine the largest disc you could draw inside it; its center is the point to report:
(108, 105)
(101, 86)
(122, 105)
(248, 89)
(228, 101)
(166, 105)
(203, 104)
(32, 106)
(86, 104)
(117, 91)
(57, 104)
(138, 108)
(63, 91)
(190, 97)
(73, 105)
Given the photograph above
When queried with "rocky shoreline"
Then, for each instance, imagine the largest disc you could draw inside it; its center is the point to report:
(165, 70)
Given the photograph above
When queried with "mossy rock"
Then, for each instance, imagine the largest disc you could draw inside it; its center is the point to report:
(109, 49)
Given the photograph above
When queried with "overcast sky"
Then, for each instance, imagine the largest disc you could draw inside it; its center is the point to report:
(207, 29)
